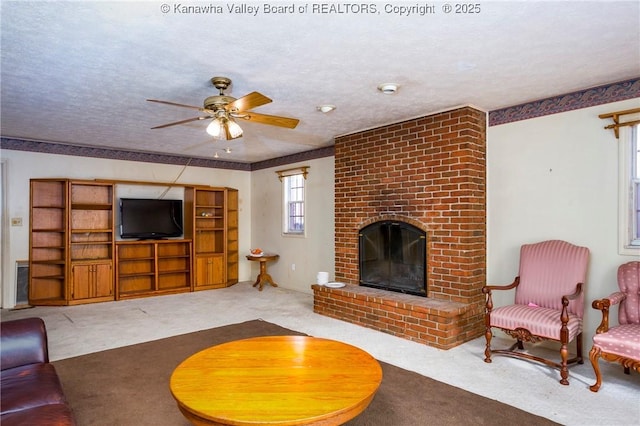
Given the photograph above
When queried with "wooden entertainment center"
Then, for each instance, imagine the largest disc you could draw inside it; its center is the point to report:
(75, 257)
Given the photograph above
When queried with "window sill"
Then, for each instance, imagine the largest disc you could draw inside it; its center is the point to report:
(294, 235)
(629, 251)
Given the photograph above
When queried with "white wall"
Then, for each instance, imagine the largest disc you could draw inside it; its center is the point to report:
(22, 166)
(309, 254)
(555, 177)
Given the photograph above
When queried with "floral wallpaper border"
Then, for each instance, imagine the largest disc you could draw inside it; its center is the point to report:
(608, 93)
(614, 92)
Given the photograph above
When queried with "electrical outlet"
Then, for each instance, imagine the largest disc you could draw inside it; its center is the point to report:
(293, 266)
(16, 221)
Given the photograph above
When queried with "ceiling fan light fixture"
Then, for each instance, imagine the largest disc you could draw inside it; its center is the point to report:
(388, 88)
(224, 128)
(222, 110)
(325, 108)
(233, 129)
(216, 128)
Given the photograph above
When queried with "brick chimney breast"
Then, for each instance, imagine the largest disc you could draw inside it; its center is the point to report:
(431, 172)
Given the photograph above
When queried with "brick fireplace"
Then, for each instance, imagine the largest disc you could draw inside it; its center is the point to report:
(428, 172)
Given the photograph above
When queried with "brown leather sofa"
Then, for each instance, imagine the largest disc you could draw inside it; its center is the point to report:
(30, 391)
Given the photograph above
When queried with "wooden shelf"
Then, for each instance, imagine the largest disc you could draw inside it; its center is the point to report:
(72, 230)
(137, 274)
(231, 225)
(210, 233)
(78, 206)
(49, 262)
(143, 267)
(75, 258)
(47, 242)
(175, 271)
(57, 277)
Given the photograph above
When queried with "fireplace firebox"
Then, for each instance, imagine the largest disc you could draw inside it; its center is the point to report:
(393, 257)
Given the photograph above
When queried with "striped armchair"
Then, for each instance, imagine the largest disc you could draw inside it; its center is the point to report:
(549, 303)
(619, 343)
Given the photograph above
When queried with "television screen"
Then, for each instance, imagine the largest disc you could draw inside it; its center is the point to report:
(150, 219)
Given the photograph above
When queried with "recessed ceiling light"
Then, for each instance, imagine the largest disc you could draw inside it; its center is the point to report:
(388, 88)
(325, 108)
(227, 150)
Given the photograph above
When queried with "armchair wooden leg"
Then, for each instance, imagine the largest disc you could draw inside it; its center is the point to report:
(594, 356)
(564, 350)
(487, 349)
(564, 371)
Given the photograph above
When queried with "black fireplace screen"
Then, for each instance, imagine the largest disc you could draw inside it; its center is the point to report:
(393, 257)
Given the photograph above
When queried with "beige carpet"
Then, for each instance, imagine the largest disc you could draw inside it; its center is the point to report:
(130, 386)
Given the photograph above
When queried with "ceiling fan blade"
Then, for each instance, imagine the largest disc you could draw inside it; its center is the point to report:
(247, 102)
(188, 120)
(176, 104)
(273, 120)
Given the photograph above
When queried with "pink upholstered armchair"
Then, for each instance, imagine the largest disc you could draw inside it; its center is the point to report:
(620, 343)
(549, 303)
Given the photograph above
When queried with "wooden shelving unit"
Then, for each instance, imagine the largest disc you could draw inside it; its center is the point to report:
(48, 242)
(75, 258)
(232, 236)
(147, 268)
(91, 228)
(209, 233)
(71, 242)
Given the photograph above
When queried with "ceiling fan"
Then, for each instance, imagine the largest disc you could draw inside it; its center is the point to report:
(223, 110)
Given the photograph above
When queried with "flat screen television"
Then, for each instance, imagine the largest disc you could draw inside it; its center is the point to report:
(150, 218)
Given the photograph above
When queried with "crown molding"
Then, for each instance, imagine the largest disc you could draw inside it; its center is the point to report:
(116, 154)
(314, 154)
(599, 95)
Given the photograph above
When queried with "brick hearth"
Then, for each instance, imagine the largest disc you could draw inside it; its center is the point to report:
(429, 172)
(434, 322)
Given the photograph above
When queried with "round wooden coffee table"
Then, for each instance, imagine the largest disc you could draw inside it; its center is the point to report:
(276, 380)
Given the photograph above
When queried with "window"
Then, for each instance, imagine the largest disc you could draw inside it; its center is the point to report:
(294, 204)
(629, 190)
(293, 190)
(635, 187)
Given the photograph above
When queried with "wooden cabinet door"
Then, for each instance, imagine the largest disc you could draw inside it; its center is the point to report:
(103, 277)
(81, 277)
(209, 270)
(91, 281)
(201, 270)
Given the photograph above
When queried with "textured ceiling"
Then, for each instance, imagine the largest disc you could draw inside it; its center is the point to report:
(80, 72)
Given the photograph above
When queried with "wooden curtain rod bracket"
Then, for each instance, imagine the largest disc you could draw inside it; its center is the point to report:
(304, 170)
(615, 116)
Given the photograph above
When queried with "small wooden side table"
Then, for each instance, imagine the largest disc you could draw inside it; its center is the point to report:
(263, 277)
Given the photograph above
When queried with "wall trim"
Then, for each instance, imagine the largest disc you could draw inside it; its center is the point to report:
(599, 95)
(7, 288)
(313, 154)
(147, 157)
(116, 154)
